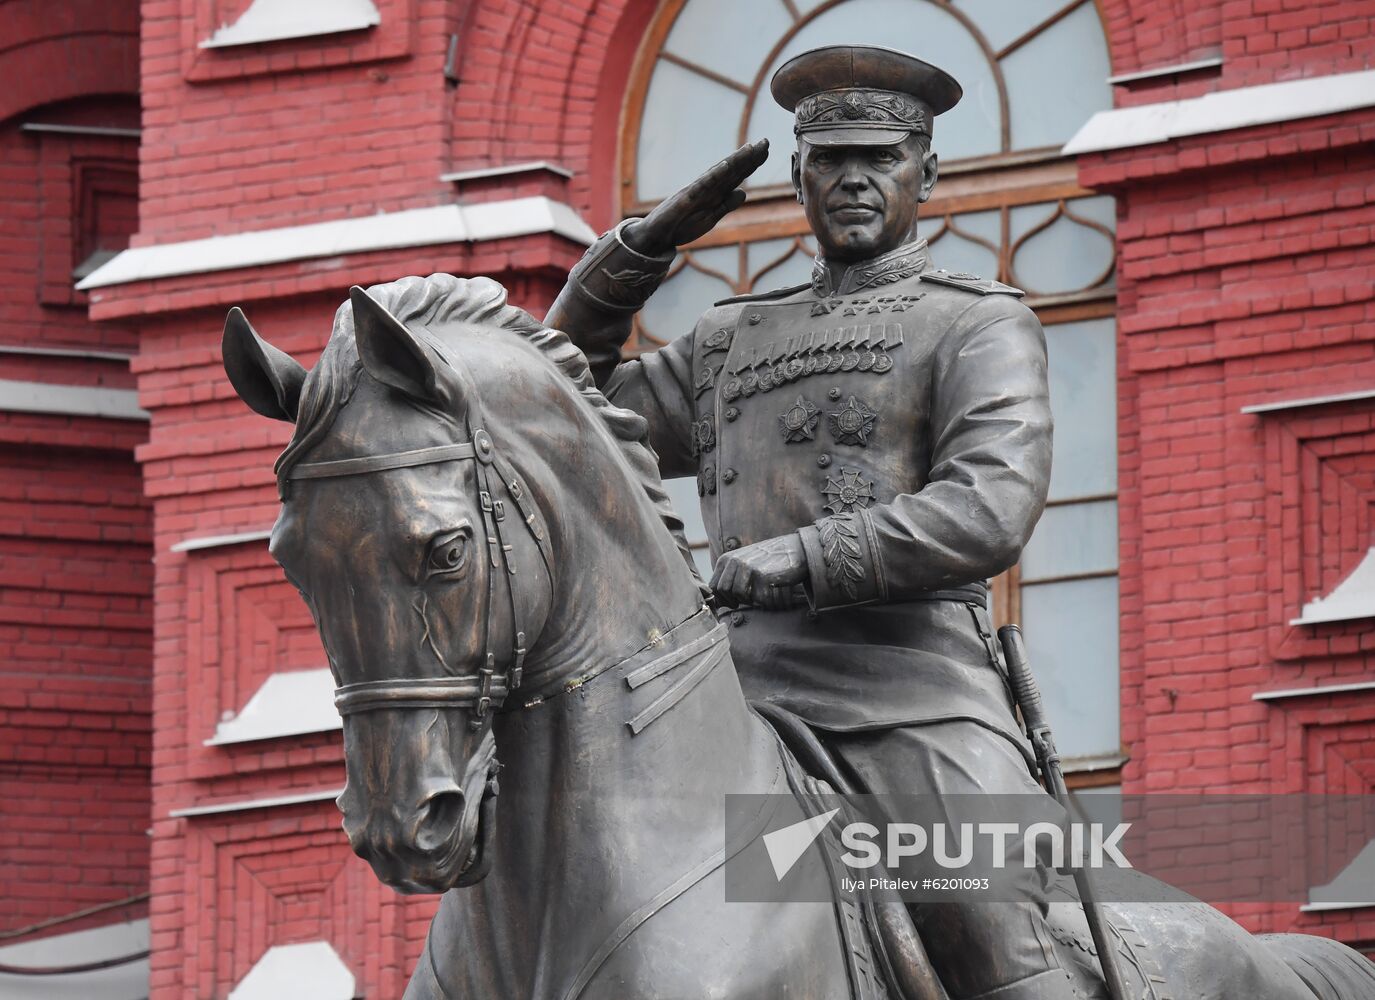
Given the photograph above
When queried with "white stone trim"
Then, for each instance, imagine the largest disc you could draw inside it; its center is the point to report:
(97, 130)
(1348, 888)
(126, 981)
(1328, 907)
(1122, 128)
(311, 970)
(268, 802)
(66, 352)
(534, 166)
(1309, 692)
(415, 227)
(1297, 404)
(291, 703)
(1159, 71)
(221, 541)
(277, 20)
(1351, 600)
(70, 400)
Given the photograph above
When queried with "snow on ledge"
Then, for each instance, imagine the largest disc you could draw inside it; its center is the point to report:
(126, 981)
(276, 20)
(1350, 888)
(1122, 128)
(309, 971)
(1352, 600)
(71, 400)
(493, 220)
(288, 704)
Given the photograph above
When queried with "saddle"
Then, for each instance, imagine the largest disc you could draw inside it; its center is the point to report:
(884, 954)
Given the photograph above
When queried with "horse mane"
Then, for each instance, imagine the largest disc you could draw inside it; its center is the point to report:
(440, 300)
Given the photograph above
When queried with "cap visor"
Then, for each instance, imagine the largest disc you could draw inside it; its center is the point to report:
(856, 136)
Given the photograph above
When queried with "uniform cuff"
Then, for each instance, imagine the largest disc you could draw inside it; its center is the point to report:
(616, 278)
(840, 565)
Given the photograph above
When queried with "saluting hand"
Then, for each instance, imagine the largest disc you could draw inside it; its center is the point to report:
(763, 574)
(692, 212)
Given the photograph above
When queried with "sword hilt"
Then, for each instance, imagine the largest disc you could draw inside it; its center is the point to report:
(1024, 687)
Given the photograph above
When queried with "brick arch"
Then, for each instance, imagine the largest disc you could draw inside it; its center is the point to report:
(1143, 34)
(78, 49)
(548, 80)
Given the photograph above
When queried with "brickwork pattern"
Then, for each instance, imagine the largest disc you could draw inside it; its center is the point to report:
(1246, 275)
(75, 527)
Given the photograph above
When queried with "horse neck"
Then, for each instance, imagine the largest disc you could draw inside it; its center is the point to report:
(594, 821)
(620, 579)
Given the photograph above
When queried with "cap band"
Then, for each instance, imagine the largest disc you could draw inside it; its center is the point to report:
(863, 109)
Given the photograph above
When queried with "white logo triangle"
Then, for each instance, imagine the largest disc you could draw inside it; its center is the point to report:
(785, 846)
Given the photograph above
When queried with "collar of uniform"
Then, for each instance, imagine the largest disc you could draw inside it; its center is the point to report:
(905, 261)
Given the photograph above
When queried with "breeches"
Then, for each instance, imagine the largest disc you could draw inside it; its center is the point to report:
(977, 945)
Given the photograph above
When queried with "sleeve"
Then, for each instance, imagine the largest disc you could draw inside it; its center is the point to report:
(658, 386)
(990, 471)
(604, 291)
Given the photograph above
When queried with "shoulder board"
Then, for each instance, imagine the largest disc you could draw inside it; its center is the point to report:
(970, 283)
(777, 293)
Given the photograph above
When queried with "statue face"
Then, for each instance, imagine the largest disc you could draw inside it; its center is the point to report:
(861, 201)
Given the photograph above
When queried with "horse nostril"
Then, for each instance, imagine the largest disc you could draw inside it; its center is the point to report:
(440, 816)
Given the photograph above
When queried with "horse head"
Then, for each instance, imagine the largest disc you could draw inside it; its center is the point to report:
(423, 524)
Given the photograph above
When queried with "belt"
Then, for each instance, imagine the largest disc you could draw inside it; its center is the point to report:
(969, 593)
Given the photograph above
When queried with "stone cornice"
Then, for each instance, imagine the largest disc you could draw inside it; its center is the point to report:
(483, 222)
(1223, 110)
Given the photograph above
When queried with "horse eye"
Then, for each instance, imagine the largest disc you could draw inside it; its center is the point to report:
(449, 553)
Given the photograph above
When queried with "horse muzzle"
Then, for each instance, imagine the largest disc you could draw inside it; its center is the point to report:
(443, 843)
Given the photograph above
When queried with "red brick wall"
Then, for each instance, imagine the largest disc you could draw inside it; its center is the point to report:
(1258, 41)
(75, 528)
(1246, 275)
(547, 80)
(75, 615)
(270, 135)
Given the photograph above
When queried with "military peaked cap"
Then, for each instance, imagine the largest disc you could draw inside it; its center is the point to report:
(862, 95)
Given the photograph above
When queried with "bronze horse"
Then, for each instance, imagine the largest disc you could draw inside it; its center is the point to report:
(489, 557)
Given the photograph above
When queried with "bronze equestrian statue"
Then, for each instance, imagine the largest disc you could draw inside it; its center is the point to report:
(541, 716)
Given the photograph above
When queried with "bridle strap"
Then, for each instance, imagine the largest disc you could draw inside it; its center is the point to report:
(416, 692)
(381, 463)
(486, 689)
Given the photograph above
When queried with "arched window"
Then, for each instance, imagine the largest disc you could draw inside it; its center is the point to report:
(1007, 205)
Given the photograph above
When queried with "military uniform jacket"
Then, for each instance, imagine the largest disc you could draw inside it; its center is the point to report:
(898, 420)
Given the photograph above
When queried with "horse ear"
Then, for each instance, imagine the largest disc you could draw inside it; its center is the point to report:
(265, 378)
(390, 352)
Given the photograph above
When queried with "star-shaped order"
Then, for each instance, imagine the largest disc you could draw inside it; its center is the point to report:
(799, 421)
(852, 423)
(848, 491)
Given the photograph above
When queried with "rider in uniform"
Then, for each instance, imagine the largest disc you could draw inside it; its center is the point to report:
(869, 448)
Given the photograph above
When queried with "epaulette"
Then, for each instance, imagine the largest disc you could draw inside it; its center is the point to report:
(777, 293)
(970, 282)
